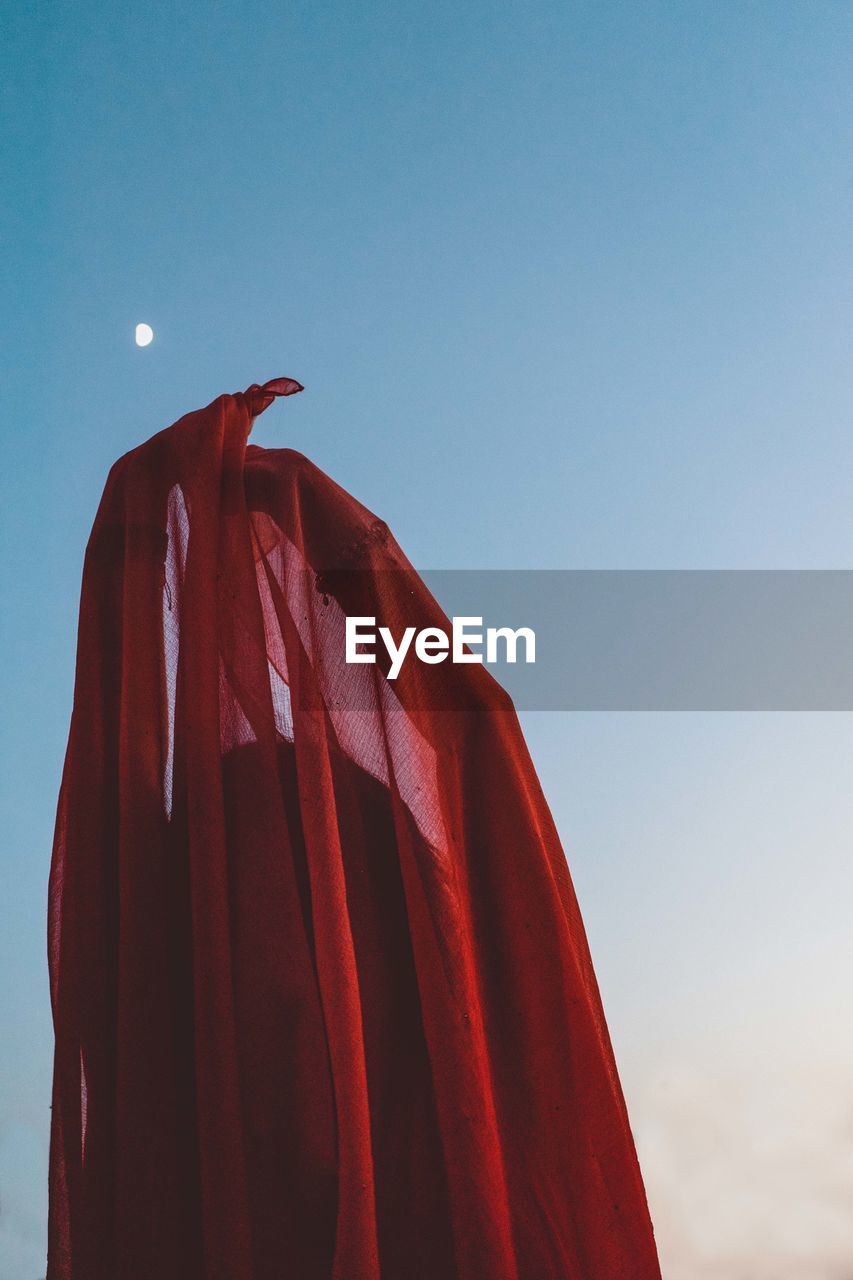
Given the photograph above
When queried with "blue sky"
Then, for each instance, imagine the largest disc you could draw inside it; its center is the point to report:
(569, 285)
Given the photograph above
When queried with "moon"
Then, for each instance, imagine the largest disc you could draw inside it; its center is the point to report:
(144, 335)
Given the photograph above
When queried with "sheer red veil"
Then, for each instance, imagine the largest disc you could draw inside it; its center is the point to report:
(323, 1003)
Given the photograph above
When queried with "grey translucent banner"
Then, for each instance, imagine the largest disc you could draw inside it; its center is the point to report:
(666, 640)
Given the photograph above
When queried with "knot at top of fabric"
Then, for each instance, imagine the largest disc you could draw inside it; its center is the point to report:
(259, 397)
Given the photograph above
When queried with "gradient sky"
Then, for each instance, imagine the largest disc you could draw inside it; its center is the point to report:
(569, 285)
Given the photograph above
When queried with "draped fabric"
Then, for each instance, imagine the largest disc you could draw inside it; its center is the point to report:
(323, 1003)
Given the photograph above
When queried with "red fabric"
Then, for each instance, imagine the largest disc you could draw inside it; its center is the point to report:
(323, 1003)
